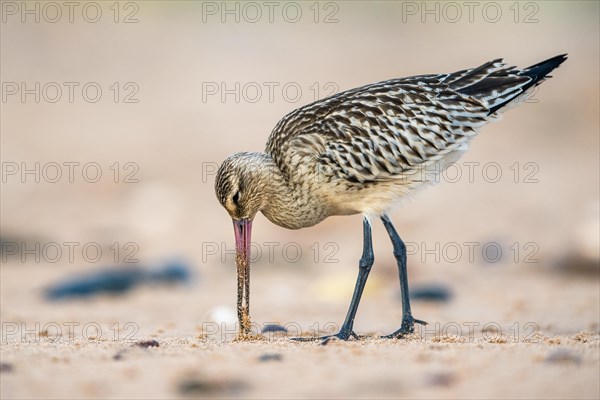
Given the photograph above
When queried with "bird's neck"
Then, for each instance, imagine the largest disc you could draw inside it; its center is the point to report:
(288, 203)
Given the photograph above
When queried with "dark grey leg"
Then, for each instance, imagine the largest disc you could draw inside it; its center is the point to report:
(408, 322)
(364, 267)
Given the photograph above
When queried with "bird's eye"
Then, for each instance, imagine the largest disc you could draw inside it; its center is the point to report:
(236, 197)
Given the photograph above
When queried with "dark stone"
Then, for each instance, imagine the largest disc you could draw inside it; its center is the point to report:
(147, 343)
(200, 386)
(6, 367)
(563, 356)
(270, 357)
(272, 328)
(117, 280)
(444, 379)
(430, 292)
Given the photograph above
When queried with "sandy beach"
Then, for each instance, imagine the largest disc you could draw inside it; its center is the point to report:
(503, 254)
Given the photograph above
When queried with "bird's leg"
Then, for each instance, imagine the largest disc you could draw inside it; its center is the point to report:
(408, 322)
(364, 267)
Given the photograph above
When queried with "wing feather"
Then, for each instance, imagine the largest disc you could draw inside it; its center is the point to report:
(381, 131)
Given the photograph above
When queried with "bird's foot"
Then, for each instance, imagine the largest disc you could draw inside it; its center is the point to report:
(407, 327)
(341, 335)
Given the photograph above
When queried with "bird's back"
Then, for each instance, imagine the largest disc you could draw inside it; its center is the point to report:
(384, 132)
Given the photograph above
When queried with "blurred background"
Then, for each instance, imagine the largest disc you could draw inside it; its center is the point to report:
(115, 117)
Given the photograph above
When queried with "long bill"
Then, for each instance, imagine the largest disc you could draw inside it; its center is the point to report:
(243, 231)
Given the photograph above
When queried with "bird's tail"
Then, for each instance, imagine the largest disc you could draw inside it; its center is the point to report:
(498, 85)
(537, 74)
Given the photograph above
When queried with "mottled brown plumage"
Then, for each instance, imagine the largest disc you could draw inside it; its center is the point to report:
(362, 150)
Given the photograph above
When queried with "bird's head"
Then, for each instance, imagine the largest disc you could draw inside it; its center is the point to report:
(241, 187)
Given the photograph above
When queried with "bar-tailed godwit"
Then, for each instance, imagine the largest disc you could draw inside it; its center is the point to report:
(361, 151)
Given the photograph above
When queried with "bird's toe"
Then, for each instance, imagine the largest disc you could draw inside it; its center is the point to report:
(407, 327)
(341, 335)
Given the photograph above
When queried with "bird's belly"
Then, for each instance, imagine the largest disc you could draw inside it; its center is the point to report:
(378, 197)
(375, 199)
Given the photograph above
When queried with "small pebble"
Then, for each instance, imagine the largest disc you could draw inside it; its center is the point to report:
(119, 354)
(142, 343)
(441, 379)
(563, 356)
(222, 315)
(270, 357)
(431, 292)
(6, 367)
(197, 386)
(272, 328)
(147, 343)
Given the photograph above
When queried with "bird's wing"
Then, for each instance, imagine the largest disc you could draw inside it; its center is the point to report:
(380, 131)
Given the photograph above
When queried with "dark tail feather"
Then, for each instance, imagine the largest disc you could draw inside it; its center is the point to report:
(538, 73)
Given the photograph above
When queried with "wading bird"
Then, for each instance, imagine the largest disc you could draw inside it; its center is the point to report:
(361, 151)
